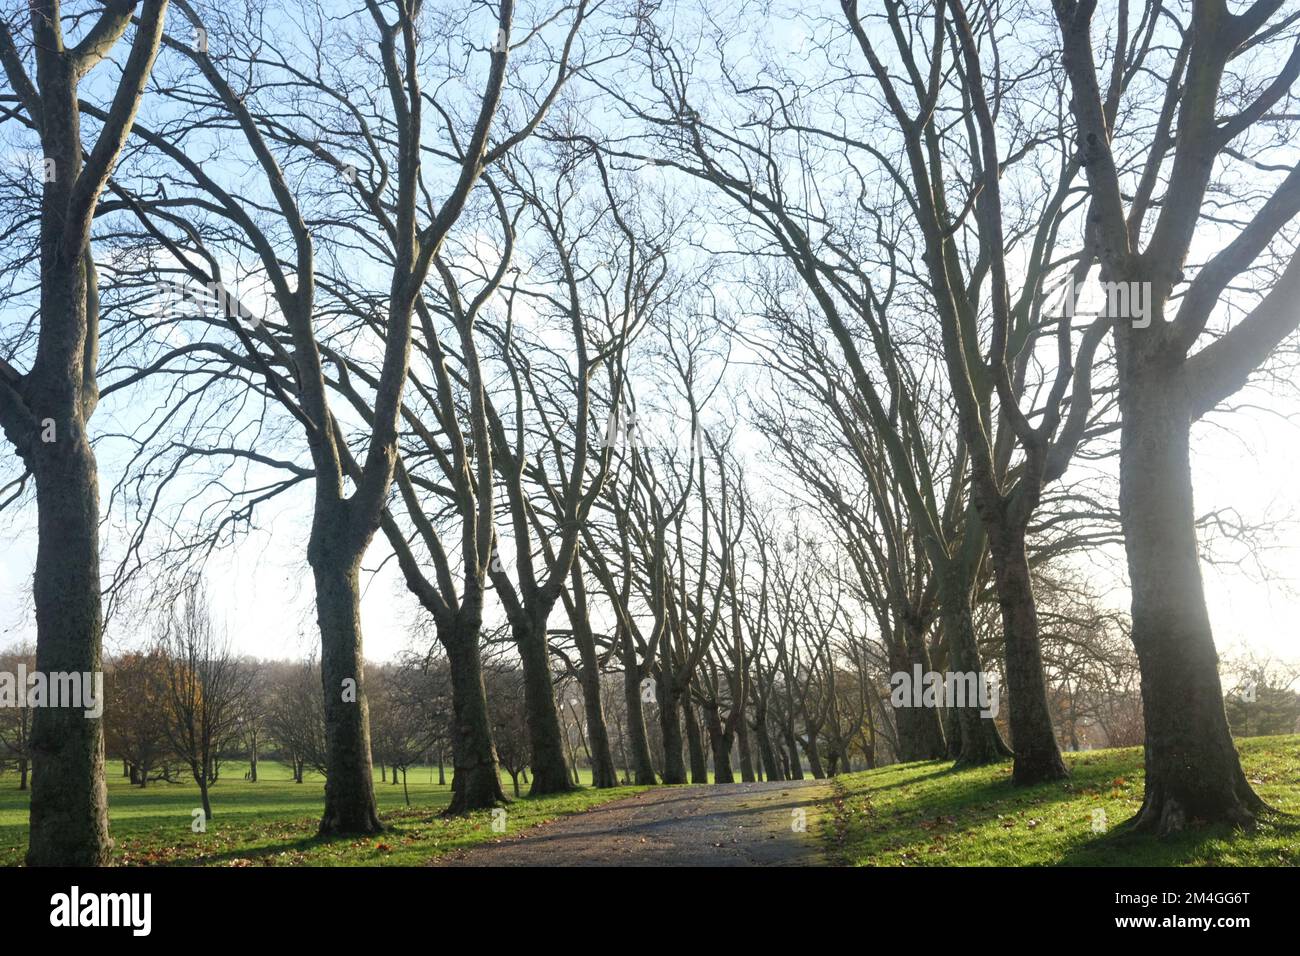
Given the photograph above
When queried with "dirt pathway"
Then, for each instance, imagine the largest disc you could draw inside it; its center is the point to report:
(741, 824)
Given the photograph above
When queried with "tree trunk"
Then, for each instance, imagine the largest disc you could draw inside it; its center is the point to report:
(1192, 768)
(475, 779)
(814, 756)
(920, 729)
(1037, 756)
(22, 774)
(980, 742)
(670, 726)
(69, 802)
(203, 797)
(792, 749)
(746, 755)
(545, 739)
(771, 769)
(603, 774)
(720, 745)
(694, 741)
(636, 731)
(349, 774)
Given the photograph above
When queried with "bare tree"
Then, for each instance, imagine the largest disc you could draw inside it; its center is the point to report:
(16, 722)
(204, 685)
(45, 410)
(1158, 180)
(295, 717)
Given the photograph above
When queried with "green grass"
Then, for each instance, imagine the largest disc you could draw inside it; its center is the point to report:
(273, 822)
(924, 814)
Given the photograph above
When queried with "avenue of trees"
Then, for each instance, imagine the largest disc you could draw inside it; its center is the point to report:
(696, 369)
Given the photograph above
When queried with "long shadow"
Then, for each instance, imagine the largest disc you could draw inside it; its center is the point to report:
(1175, 850)
(301, 845)
(1119, 847)
(942, 769)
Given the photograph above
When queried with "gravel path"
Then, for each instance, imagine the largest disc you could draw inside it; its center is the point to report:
(740, 824)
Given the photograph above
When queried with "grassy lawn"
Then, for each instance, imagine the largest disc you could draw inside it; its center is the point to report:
(923, 814)
(273, 822)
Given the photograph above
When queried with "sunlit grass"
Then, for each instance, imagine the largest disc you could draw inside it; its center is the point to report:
(273, 821)
(924, 814)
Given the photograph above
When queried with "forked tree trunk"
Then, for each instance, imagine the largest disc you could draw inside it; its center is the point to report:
(349, 773)
(642, 765)
(1037, 756)
(69, 804)
(476, 779)
(545, 739)
(1192, 768)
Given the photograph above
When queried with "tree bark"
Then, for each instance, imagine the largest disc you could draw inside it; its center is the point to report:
(349, 774)
(203, 797)
(476, 778)
(771, 769)
(1037, 756)
(746, 755)
(69, 803)
(1192, 768)
(980, 742)
(792, 753)
(545, 739)
(642, 765)
(694, 741)
(670, 726)
(814, 756)
(720, 745)
(920, 729)
(603, 774)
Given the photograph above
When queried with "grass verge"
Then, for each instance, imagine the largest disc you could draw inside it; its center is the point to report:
(924, 814)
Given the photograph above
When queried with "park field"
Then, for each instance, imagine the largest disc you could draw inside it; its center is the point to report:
(919, 814)
(273, 822)
(922, 814)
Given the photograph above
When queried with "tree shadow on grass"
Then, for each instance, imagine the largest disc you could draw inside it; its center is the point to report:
(941, 768)
(1122, 846)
